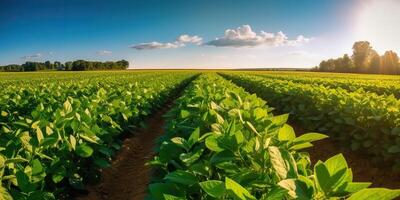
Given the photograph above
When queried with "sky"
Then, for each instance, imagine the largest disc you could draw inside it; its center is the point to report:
(195, 33)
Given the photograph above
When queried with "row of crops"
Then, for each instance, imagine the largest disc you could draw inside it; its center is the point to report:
(381, 87)
(56, 133)
(372, 77)
(365, 121)
(224, 143)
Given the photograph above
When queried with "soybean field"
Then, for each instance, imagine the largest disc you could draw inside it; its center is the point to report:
(192, 134)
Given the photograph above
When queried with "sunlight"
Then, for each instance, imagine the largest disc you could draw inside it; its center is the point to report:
(377, 21)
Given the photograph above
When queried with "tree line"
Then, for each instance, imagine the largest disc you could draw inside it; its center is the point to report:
(364, 60)
(78, 65)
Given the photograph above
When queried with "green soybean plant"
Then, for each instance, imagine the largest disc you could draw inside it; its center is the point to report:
(364, 121)
(220, 142)
(57, 134)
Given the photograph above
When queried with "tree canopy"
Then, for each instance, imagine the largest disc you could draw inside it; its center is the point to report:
(78, 65)
(364, 60)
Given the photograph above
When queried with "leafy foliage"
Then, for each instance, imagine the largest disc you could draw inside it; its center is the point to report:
(57, 132)
(378, 86)
(366, 121)
(228, 145)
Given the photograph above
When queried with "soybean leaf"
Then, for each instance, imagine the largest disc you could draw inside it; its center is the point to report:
(172, 197)
(191, 157)
(39, 134)
(181, 177)
(23, 182)
(277, 193)
(309, 137)
(348, 188)
(101, 162)
(375, 194)
(326, 181)
(297, 189)
(37, 167)
(84, 150)
(184, 114)
(336, 163)
(67, 106)
(277, 161)
(2, 161)
(301, 146)
(223, 156)
(213, 188)
(286, 133)
(4, 195)
(59, 174)
(212, 143)
(280, 119)
(194, 137)
(158, 190)
(181, 142)
(236, 191)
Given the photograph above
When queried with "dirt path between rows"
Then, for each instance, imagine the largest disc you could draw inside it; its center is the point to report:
(128, 177)
(363, 168)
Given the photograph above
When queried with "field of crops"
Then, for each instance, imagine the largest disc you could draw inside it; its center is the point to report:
(56, 131)
(382, 85)
(228, 135)
(365, 120)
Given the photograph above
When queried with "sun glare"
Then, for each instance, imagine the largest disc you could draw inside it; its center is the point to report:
(378, 22)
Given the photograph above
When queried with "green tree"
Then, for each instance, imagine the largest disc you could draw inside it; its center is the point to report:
(57, 65)
(348, 65)
(390, 63)
(68, 66)
(361, 54)
(375, 63)
(323, 66)
(48, 65)
(339, 65)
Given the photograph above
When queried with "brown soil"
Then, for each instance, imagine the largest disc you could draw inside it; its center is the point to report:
(128, 176)
(363, 169)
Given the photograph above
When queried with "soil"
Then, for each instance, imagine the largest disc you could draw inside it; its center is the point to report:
(128, 176)
(363, 169)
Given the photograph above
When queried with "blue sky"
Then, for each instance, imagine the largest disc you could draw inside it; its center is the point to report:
(109, 30)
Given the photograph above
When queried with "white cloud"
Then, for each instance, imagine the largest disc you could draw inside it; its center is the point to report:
(302, 39)
(245, 37)
(104, 52)
(179, 42)
(189, 39)
(37, 55)
(155, 45)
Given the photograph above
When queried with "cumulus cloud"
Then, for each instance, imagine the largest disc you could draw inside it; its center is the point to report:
(189, 39)
(179, 42)
(244, 36)
(104, 52)
(37, 55)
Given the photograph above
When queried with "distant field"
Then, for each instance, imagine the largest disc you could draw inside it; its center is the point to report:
(58, 129)
(332, 75)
